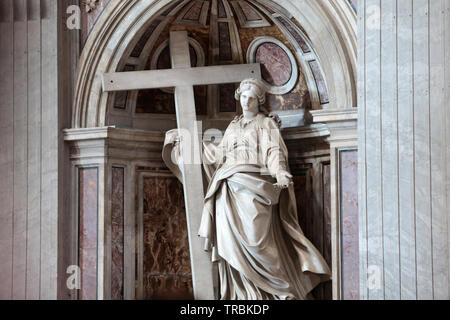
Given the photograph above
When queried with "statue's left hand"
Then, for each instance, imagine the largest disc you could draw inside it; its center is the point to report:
(284, 179)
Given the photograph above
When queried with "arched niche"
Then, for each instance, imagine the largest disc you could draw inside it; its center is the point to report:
(330, 26)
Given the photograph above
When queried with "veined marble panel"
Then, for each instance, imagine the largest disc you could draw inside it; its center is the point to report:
(327, 287)
(117, 233)
(277, 67)
(349, 225)
(88, 232)
(249, 16)
(195, 14)
(221, 12)
(225, 51)
(166, 259)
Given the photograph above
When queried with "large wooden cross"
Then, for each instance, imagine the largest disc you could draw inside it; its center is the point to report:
(184, 78)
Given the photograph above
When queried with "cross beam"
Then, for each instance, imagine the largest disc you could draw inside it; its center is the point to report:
(183, 78)
(137, 80)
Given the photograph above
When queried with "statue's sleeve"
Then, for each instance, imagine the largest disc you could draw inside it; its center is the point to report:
(274, 150)
(213, 156)
(171, 153)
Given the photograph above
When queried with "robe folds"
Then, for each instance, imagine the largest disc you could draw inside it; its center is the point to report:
(252, 225)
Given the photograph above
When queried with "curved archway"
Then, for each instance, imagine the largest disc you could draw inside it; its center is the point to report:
(330, 25)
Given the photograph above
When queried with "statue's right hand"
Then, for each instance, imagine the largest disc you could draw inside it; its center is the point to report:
(172, 137)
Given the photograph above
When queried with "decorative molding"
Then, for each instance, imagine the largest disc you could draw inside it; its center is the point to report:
(335, 115)
(84, 134)
(90, 5)
(251, 58)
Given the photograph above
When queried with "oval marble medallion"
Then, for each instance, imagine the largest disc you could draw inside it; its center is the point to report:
(275, 62)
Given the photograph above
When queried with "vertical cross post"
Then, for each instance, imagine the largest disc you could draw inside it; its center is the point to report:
(192, 171)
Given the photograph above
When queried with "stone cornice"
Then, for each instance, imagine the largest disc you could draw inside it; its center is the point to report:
(342, 124)
(328, 116)
(132, 138)
(113, 133)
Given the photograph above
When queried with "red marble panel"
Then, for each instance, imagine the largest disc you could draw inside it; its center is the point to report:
(320, 82)
(88, 224)
(194, 11)
(167, 269)
(250, 13)
(349, 225)
(326, 179)
(221, 13)
(225, 53)
(301, 42)
(275, 62)
(117, 233)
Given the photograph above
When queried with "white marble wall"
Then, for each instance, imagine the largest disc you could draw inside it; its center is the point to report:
(32, 100)
(404, 139)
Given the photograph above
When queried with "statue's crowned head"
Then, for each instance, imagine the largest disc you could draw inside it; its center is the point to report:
(255, 85)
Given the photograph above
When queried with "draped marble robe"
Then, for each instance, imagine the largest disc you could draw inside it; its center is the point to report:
(251, 224)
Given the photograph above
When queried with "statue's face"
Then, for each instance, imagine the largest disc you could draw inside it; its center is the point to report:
(249, 100)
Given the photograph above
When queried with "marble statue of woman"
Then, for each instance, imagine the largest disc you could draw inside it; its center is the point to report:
(250, 215)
